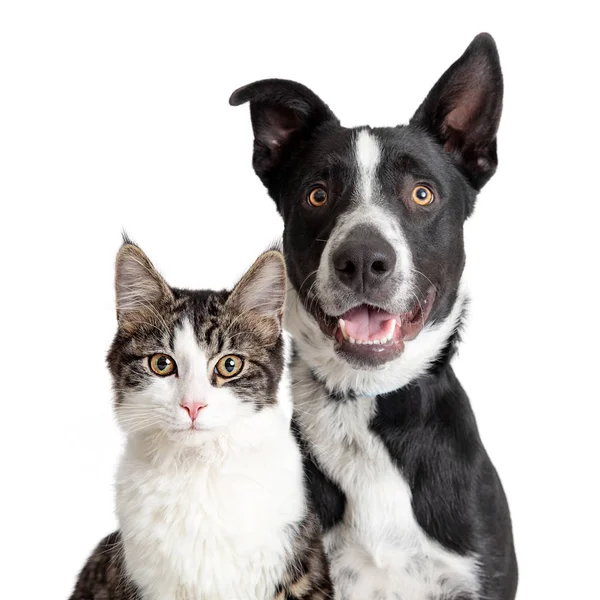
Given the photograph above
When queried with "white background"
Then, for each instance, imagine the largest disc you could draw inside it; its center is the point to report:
(115, 115)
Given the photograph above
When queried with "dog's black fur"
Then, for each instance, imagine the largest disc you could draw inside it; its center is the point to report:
(428, 426)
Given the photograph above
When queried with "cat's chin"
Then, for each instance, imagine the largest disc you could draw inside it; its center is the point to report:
(192, 437)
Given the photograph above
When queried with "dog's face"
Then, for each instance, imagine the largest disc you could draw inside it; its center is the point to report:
(374, 217)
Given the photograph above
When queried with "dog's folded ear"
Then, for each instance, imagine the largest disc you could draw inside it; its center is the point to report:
(283, 113)
(463, 110)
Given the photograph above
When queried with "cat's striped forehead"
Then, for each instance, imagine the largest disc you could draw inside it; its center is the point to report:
(207, 314)
(204, 311)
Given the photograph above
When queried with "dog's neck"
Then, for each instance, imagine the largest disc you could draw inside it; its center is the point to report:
(437, 370)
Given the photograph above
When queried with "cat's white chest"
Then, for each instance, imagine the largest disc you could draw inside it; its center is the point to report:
(378, 551)
(210, 531)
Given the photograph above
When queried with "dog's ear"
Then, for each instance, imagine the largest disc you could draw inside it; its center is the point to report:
(463, 110)
(283, 113)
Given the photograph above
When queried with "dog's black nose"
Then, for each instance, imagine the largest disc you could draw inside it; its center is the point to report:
(364, 260)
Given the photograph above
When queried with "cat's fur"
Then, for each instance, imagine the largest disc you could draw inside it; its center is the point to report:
(216, 507)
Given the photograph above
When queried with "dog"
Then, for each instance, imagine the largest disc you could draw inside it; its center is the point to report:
(411, 506)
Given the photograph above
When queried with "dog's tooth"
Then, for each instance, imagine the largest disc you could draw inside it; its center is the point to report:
(342, 325)
(370, 342)
(392, 330)
(359, 342)
(376, 342)
(352, 340)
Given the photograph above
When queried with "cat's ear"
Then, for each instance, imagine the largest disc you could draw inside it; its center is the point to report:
(261, 291)
(141, 291)
(283, 113)
(462, 111)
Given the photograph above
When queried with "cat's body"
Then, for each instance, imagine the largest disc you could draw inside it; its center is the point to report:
(211, 499)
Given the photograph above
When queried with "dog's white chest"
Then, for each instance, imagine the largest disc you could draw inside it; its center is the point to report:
(209, 532)
(378, 551)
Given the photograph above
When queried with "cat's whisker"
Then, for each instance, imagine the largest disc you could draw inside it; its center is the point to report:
(129, 407)
(138, 423)
(129, 416)
(133, 425)
(139, 411)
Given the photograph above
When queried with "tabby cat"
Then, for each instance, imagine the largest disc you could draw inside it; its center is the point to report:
(211, 500)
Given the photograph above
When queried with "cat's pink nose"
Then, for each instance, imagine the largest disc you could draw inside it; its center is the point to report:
(192, 408)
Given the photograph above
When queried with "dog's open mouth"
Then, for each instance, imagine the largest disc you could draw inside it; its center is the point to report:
(373, 336)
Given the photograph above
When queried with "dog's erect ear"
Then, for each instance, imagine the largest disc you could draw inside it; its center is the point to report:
(463, 109)
(282, 112)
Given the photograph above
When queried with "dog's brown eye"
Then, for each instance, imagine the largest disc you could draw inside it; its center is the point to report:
(317, 197)
(229, 366)
(162, 364)
(422, 195)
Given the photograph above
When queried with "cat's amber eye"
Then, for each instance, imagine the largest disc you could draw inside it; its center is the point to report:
(317, 197)
(422, 195)
(162, 364)
(229, 366)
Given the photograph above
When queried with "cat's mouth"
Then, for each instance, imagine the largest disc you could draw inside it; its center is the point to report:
(369, 336)
(193, 429)
(193, 436)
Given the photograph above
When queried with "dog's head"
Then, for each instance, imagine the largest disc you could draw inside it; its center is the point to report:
(374, 217)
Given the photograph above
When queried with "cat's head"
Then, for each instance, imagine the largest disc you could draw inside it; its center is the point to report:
(190, 365)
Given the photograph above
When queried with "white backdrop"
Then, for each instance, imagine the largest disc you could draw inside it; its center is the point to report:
(114, 115)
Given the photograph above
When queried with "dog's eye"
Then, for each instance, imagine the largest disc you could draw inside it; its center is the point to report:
(162, 364)
(317, 197)
(229, 365)
(422, 195)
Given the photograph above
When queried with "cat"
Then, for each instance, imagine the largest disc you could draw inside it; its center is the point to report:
(210, 495)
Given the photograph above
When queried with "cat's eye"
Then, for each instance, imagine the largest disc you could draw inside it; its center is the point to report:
(317, 197)
(422, 195)
(229, 366)
(162, 364)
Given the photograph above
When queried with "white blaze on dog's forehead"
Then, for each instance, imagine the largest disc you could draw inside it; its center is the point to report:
(368, 155)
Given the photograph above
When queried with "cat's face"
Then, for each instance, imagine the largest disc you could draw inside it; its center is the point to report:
(190, 364)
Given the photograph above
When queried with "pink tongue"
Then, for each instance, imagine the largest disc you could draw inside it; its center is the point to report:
(364, 323)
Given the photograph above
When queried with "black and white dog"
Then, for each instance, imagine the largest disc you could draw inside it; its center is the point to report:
(410, 502)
